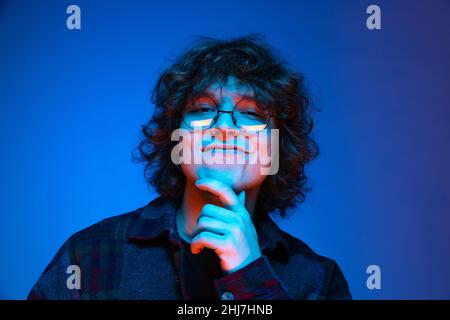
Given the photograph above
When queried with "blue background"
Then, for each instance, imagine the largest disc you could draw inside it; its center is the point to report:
(71, 103)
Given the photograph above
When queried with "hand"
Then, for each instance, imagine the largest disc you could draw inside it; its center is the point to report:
(229, 231)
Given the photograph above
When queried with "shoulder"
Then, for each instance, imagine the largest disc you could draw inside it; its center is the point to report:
(318, 268)
(112, 228)
(85, 249)
(108, 230)
(298, 247)
(117, 229)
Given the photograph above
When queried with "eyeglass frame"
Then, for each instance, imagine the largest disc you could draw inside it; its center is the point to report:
(216, 117)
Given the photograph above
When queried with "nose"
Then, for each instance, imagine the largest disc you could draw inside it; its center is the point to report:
(225, 125)
(225, 116)
(225, 120)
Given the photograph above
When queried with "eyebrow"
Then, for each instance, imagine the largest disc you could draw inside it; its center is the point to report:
(235, 100)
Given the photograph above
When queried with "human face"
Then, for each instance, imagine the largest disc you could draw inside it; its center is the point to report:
(224, 141)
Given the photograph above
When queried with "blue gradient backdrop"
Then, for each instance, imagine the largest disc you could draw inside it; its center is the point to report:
(71, 103)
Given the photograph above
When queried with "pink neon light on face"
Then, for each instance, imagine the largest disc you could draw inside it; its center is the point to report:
(254, 127)
(201, 123)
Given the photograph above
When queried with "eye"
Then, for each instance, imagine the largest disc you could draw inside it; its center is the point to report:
(202, 108)
(202, 104)
(251, 111)
(251, 107)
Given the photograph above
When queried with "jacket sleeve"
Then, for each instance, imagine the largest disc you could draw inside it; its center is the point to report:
(255, 281)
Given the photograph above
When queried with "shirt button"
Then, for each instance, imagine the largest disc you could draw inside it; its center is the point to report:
(227, 296)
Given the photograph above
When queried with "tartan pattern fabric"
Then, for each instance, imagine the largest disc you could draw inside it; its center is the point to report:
(132, 256)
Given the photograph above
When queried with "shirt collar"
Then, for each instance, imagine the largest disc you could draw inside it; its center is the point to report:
(158, 218)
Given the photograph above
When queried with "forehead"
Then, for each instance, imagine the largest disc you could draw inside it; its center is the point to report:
(231, 89)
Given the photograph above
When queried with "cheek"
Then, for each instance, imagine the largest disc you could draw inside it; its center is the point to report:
(192, 145)
(190, 172)
(252, 176)
(260, 147)
(259, 150)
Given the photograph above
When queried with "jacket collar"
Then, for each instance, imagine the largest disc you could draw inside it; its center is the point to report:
(158, 218)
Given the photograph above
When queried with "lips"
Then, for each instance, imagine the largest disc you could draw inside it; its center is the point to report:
(223, 147)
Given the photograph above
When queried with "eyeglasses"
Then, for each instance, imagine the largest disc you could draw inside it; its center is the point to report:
(249, 116)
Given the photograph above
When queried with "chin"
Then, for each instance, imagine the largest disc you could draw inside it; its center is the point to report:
(237, 177)
(230, 174)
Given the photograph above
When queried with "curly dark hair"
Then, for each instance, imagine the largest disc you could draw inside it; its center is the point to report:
(251, 60)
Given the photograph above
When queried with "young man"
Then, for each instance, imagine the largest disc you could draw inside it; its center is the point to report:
(209, 235)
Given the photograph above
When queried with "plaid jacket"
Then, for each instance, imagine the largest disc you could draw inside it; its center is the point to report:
(131, 256)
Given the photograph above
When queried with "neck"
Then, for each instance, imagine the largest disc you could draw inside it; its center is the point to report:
(195, 199)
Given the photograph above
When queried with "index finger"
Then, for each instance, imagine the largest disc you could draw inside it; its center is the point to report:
(226, 195)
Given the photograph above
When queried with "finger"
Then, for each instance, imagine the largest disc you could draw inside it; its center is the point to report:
(218, 213)
(226, 195)
(209, 240)
(211, 225)
(241, 197)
